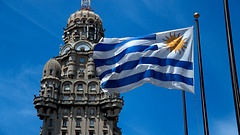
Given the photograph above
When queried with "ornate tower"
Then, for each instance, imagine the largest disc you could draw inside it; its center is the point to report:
(70, 101)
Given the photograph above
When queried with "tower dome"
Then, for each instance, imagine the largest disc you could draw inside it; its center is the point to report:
(52, 68)
(84, 17)
(84, 24)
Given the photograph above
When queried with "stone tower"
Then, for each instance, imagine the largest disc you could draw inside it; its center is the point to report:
(70, 101)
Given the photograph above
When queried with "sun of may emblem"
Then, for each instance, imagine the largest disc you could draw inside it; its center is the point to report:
(175, 42)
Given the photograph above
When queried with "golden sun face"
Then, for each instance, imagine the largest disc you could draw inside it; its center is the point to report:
(175, 42)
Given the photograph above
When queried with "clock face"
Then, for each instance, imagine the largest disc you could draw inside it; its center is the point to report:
(82, 47)
(65, 49)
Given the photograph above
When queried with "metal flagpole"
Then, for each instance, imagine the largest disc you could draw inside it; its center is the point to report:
(232, 64)
(184, 113)
(204, 109)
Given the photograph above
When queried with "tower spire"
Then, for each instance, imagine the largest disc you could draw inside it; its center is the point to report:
(86, 4)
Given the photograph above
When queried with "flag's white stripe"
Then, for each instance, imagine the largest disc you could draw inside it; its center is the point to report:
(165, 84)
(114, 40)
(131, 44)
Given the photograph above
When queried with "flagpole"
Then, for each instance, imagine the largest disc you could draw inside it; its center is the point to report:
(204, 109)
(184, 113)
(233, 70)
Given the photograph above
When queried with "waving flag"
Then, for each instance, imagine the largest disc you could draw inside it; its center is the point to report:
(164, 59)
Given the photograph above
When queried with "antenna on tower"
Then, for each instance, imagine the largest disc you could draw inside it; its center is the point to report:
(86, 4)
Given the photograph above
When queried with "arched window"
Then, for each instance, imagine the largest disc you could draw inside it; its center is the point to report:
(49, 94)
(80, 87)
(50, 84)
(44, 73)
(92, 87)
(77, 21)
(51, 71)
(67, 87)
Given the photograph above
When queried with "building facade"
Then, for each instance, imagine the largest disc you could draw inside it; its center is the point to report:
(70, 101)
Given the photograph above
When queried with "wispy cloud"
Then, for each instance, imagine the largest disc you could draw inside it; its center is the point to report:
(225, 126)
(14, 8)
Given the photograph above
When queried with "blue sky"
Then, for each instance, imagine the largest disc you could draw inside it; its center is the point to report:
(31, 32)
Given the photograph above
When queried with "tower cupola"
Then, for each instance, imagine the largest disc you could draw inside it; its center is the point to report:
(52, 68)
(83, 25)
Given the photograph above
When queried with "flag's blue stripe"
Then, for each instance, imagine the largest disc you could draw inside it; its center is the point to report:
(108, 47)
(147, 60)
(115, 59)
(147, 74)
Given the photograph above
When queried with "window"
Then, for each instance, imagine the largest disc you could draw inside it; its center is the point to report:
(44, 74)
(49, 133)
(78, 133)
(42, 92)
(77, 21)
(79, 111)
(104, 132)
(66, 63)
(50, 122)
(92, 111)
(49, 94)
(50, 84)
(64, 132)
(91, 21)
(91, 124)
(65, 111)
(64, 124)
(67, 87)
(65, 97)
(92, 98)
(51, 72)
(91, 133)
(80, 87)
(81, 60)
(65, 72)
(78, 122)
(105, 123)
(79, 97)
(56, 85)
(92, 87)
(55, 95)
(81, 70)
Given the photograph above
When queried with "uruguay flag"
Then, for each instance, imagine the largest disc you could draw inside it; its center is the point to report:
(164, 59)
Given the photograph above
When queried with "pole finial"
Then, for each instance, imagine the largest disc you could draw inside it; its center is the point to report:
(86, 4)
(196, 15)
